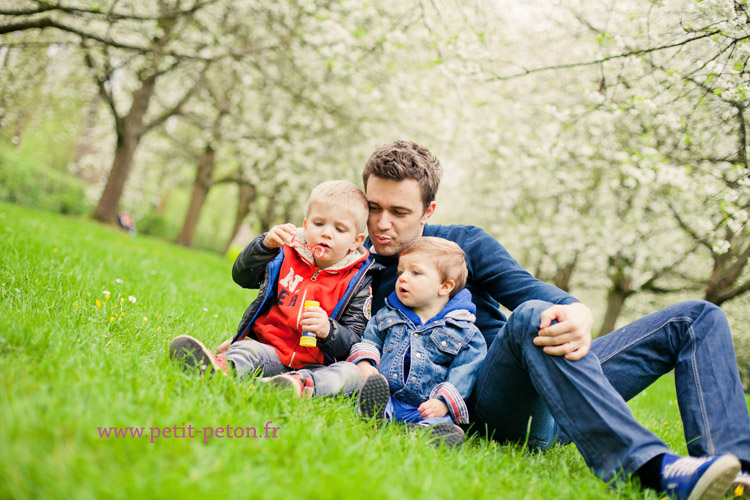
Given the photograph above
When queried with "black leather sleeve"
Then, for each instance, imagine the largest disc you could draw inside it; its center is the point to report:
(251, 263)
(348, 330)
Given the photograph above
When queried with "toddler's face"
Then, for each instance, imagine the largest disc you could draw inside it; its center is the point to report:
(418, 281)
(334, 229)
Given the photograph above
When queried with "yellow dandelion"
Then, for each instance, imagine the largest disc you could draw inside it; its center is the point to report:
(122, 299)
(98, 303)
(122, 314)
(158, 328)
(111, 319)
(75, 305)
(145, 319)
(666, 422)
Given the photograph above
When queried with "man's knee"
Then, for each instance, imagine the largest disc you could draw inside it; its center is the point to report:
(523, 323)
(707, 319)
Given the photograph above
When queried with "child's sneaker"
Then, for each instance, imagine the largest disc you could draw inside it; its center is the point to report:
(446, 434)
(194, 355)
(373, 397)
(741, 485)
(692, 478)
(291, 381)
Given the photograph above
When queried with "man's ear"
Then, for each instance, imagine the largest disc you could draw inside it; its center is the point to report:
(428, 212)
(357, 241)
(446, 287)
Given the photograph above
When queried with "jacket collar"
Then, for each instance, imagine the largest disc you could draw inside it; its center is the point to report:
(459, 308)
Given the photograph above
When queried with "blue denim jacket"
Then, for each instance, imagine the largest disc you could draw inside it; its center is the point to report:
(435, 360)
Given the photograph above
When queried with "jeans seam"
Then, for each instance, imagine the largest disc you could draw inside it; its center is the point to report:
(693, 363)
(699, 391)
(644, 336)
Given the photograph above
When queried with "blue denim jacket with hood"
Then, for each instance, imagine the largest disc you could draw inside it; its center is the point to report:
(438, 359)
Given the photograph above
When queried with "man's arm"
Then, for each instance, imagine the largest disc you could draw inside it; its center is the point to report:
(494, 271)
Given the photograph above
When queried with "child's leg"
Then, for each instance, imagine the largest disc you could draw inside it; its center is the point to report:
(249, 356)
(338, 378)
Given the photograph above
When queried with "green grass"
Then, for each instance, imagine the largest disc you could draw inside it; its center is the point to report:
(73, 360)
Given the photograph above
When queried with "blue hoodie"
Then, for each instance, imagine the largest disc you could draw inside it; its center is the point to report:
(437, 359)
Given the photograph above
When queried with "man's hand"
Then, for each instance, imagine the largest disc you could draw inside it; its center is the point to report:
(571, 335)
(224, 346)
(280, 235)
(432, 408)
(366, 369)
(315, 319)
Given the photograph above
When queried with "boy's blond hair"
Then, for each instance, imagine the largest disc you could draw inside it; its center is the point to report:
(343, 194)
(447, 256)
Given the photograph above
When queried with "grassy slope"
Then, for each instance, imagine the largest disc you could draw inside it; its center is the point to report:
(68, 367)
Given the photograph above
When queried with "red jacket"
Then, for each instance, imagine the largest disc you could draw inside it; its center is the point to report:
(300, 280)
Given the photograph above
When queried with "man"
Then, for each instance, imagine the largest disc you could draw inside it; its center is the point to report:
(544, 379)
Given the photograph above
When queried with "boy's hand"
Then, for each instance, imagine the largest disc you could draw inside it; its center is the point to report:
(280, 235)
(432, 408)
(224, 346)
(315, 319)
(366, 369)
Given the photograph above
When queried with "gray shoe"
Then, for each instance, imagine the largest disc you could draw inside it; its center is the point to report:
(192, 354)
(445, 434)
(373, 397)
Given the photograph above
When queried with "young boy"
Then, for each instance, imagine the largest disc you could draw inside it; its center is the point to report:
(424, 343)
(324, 262)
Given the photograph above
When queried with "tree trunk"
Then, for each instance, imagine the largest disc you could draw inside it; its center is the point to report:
(130, 129)
(618, 294)
(247, 194)
(615, 301)
(200, 190)
(564, 273)
(109, 203)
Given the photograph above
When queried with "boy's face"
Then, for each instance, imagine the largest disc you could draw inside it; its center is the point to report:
(419, 284)
(333, 228)
(396, 213)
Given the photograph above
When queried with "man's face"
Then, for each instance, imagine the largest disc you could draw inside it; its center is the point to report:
(396, 213)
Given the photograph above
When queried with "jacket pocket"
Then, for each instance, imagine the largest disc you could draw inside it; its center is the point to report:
(444, 345)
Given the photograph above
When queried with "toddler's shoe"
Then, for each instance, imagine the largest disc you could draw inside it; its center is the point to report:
(193, 355)
(302, 387)
(446, 434)
(698, 478)
(741, 486)
(373, 397)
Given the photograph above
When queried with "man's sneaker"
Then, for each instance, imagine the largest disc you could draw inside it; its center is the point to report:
(373, 397)
(194, 355)
(692, 478)
(302, 387)
(741, 485)
(446, 434)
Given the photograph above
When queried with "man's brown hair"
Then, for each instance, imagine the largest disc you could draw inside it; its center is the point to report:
(406, 160)
(447, 256)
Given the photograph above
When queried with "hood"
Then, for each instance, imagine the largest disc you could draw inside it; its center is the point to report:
(459, 307)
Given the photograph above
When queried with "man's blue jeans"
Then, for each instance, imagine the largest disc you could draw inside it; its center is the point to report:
(525, 395)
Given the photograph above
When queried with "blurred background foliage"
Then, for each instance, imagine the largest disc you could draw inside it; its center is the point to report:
(604, 145)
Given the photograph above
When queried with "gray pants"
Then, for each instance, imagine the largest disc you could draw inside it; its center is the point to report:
(250, 357)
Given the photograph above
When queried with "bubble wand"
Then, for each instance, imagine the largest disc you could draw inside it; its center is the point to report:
(317, 251)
